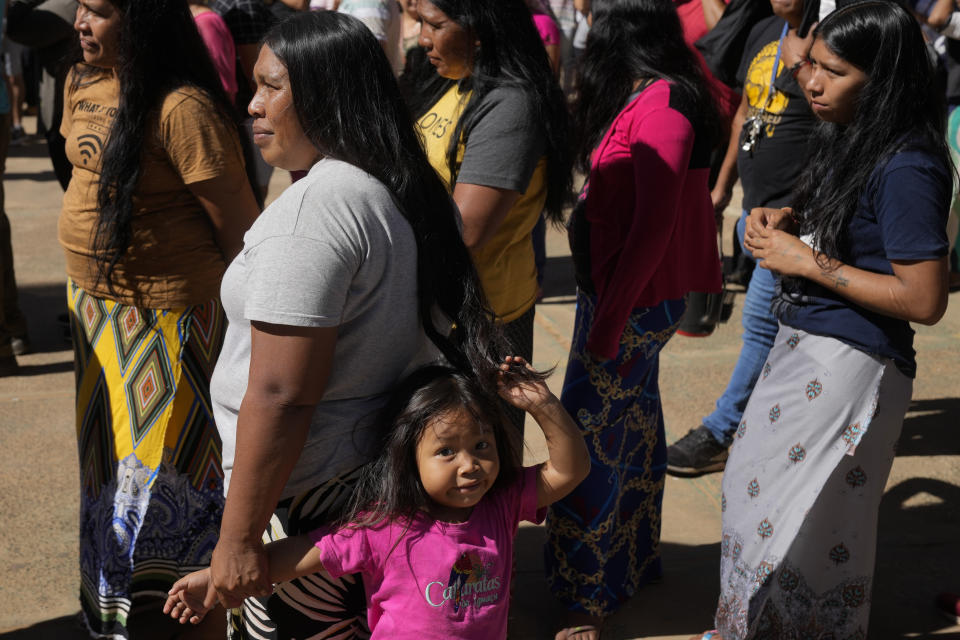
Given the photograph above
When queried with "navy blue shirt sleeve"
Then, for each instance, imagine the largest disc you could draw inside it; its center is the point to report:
(912, 201)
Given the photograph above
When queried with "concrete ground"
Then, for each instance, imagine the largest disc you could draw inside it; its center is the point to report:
(919, 546)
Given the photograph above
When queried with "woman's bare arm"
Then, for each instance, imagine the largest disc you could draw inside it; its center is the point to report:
(289, 369)
(916, 291)
(482, 209)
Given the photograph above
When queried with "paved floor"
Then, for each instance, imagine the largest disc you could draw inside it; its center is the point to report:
(919, 548)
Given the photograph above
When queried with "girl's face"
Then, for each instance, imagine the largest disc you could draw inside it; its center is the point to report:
(450, 47)
(458, 463)
(834, 85)
(276, 127)
(98, 24)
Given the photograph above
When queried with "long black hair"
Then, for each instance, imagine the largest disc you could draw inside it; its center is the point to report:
(159, 51)
(632, 40)
(510, 54)
(350, 108)
(390, 488)
(899, 107)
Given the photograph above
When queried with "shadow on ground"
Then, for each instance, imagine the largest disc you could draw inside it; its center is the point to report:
(152, 626)
(32, 148)
(39, 176)
(42, 304)
(917, 557)
(930, 429)
(681, 603)
(65, 628)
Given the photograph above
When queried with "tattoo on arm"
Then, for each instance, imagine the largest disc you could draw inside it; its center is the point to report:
(835, 278)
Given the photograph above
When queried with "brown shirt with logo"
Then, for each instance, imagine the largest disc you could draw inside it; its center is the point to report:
(173, 260)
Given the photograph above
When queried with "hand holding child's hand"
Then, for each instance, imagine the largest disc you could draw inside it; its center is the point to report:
(525, 394)
(191, 597)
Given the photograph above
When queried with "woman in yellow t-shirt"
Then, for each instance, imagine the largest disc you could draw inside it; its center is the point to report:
(494, 126)
(158, 202)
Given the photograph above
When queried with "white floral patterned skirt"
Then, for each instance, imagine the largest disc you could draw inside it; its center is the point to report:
(802, 488)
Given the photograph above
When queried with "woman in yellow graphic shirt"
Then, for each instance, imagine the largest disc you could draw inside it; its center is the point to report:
(494, 126)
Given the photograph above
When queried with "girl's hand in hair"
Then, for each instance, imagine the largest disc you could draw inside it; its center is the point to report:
(568, 461)
(780, 251)
(523, 393)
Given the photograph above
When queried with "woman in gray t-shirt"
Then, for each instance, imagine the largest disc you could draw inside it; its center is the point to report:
(339, 289)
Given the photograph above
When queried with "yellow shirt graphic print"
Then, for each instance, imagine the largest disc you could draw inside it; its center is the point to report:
(436, 129)
(757, 88)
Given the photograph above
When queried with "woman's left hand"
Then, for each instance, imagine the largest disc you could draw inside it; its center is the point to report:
(779, 251)
(239, 571)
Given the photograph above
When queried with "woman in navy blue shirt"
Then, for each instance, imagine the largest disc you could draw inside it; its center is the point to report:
(860, 256)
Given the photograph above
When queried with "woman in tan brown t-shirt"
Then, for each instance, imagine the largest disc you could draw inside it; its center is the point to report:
(157, 205)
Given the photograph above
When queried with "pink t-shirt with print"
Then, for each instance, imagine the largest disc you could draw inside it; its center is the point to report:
(442, 580)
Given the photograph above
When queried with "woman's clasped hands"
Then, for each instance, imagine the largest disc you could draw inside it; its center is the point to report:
(770, 237)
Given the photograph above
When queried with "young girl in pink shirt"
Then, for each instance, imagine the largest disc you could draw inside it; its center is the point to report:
(431, 526)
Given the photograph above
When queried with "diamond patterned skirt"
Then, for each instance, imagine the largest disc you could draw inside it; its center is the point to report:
(150, 467)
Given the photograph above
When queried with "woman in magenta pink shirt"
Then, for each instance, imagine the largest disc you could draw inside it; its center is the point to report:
(642, 236)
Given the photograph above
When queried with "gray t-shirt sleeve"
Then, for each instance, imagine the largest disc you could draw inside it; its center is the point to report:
(298, 281)
(505, 142)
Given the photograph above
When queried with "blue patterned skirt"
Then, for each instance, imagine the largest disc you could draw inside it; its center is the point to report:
(150, 468)
(802, 489)
(603, 539)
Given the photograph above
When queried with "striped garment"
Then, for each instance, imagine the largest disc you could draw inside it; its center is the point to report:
(316, 606)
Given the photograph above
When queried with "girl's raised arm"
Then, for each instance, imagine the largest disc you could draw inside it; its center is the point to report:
(569, 461)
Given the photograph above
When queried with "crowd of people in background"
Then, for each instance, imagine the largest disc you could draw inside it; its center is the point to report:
(303, 420)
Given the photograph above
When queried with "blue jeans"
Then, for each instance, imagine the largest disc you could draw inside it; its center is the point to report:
(759, 331)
